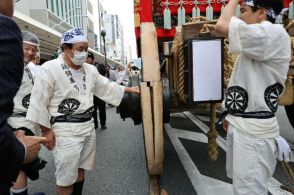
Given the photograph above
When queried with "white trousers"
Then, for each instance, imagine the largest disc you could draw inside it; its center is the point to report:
(250, 162)
(72, 153)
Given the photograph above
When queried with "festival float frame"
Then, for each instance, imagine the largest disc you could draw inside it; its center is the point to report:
(151, 37)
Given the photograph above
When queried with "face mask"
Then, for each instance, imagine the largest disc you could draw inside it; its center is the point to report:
(79, 57)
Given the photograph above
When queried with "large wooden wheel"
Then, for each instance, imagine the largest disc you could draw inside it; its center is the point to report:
(152, 104)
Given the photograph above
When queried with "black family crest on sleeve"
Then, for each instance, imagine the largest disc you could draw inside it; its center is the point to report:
(236, 99)
(26, 101)
(68, 106)
(272, 95)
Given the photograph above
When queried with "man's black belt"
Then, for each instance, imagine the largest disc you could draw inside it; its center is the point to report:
(20, 114)
(256, 115)
(74, 118)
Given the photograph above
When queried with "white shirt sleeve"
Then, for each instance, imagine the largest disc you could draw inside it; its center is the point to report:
(108, 91)
(40, 98)
(248, 39)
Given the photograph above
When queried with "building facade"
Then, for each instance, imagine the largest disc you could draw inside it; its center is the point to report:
(49, 18)
(114, 37)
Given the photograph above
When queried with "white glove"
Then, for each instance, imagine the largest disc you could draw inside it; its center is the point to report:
(284, 149)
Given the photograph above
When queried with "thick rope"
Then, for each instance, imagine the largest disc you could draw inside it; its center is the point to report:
(289, 25)
(197, 19)
(181, 73)
(212, 134)
(292, 49)
(288, 95)
(229, 62)
(179, 66)
(174, 51)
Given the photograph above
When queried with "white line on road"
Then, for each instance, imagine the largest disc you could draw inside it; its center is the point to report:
(202, 184)
(220, 141)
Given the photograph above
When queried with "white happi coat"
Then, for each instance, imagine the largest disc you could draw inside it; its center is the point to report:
(21, 103)
(255, 86)
(53, 93)
(258, 77)
(34, 68)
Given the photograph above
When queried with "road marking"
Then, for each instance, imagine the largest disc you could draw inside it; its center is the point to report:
(202, 184)
(220, 141)
(178, 115)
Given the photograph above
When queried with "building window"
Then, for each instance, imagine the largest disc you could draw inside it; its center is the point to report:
(49, 5)
(70, 12)
(79, 14)
(68, 8)
(55, 7)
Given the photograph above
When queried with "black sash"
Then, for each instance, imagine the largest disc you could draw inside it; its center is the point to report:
(256, 115)
(20, 114)
(74, 118)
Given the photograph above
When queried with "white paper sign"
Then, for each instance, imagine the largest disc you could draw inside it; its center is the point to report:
(207, 70)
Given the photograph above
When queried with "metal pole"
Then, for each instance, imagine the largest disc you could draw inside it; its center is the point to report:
(105, 51)
(103, 34)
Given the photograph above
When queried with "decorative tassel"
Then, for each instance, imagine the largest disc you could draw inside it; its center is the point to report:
(290, 14)
(181, 14)
(195, 10)
(137, 19)
(209, 11)
(136, 14)
(237, 13)
(167, 17)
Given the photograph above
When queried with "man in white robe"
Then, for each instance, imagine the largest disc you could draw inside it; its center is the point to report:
(62, 103)
(251, 100)
(21, 103)
(34, 65)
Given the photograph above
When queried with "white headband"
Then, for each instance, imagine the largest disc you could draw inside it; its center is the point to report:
(249, 2)
(270, 11)
(31, 43)
(75, 35)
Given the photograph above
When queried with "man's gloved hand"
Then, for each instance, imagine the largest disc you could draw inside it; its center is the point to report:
(284, 149)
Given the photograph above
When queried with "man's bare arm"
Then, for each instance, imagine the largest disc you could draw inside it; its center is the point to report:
(222, 25)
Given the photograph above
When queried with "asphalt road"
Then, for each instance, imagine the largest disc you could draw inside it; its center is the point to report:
(120, 165)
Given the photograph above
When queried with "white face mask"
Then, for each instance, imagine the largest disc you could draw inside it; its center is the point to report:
(79, 57)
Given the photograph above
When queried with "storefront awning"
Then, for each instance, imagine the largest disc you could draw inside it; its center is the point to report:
(49, 38)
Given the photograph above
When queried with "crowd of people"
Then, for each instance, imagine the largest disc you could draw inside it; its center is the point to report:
(60, 97)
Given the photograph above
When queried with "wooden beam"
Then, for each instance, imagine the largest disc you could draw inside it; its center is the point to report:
(150, 58)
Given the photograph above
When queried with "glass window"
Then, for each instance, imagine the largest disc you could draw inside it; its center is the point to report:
(68, 8)
(79, 14)
(64, 10)
(54, 10)
(75, 13)
(49, 4)
(70, 12)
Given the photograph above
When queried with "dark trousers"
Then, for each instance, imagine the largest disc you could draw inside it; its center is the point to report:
(101, 105)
